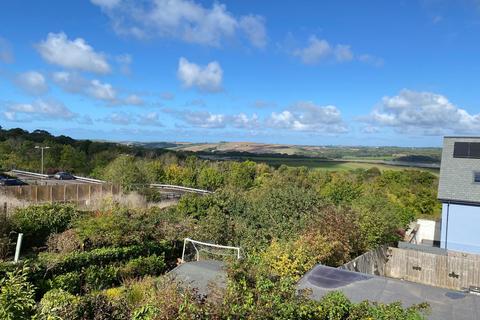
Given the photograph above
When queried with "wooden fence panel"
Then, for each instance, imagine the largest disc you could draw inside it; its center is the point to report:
(79, 193)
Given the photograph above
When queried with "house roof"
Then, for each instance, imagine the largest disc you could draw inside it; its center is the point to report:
(445, 304)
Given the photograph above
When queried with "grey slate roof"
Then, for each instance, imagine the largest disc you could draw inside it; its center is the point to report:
(456, 174)
(445, 304)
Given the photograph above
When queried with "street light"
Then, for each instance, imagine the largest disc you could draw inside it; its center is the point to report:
(42, 148)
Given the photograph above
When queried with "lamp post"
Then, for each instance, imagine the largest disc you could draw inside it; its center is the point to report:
(42, 148)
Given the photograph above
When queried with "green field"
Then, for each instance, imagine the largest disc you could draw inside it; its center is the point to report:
(331, 165)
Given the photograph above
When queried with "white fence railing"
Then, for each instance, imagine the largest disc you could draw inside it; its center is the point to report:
(180, 188)
(46, 176)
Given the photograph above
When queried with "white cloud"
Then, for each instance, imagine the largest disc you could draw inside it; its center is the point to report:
(204, 119)
(101, 91)
(372, 60)
(243, 121)
(41, 109)
(254, 28)
(369, 129)
(149, 119)
(319, 50)
(73, 54)
(307, 116)
(316, 50)
(134, 100)
(32, 82)
(6, 53)
(206, 78)
(106, 4)
(182, 19)
(343, 53)
(70, 81)
(118, 118)
(125, 119)
(423, 113)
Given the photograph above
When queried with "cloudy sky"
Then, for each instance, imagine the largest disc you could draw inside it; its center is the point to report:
(369, 72)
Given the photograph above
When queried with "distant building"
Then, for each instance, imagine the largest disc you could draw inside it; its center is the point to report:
(459, 192)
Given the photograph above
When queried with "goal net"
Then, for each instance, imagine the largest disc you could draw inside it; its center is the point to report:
(196, 250)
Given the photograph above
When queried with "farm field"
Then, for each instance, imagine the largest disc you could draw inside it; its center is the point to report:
(331, 165)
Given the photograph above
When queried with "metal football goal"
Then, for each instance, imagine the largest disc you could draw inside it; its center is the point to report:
(194, 250)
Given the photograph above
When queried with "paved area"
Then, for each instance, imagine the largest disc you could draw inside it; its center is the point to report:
(444, 303)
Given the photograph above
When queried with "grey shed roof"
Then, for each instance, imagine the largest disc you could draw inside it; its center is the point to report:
(445, 304)
(200, 275)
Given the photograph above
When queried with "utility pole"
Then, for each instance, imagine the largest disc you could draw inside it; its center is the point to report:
(42, 148)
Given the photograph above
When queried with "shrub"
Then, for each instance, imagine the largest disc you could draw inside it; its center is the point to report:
(16, 296)
(65, 242)
(39, 221)
(59, 264)
(58, 304)
(99, 278)
(294, 259)
(142, 266)
(70, 282)
(117, 227)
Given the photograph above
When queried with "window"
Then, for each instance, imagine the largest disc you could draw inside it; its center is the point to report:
(460, 150)
(466, 150)
(476, 176)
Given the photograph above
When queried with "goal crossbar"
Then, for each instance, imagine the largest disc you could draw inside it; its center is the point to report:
(197, 254)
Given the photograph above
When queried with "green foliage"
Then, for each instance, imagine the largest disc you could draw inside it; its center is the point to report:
(142, 266)
(70, 282)
(125, 172)
(58, 304)
(99, 278)
(59, 264)
(119, 227)
(16, 296)
(37, 222)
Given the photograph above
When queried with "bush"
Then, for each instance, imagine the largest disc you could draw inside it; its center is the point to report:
(117, 227)
(65, 242)
(97, 306)
(58, 304)
(99, 278)
(70, 282)
(59, 264)
(142, 266)
(16, 296)
(39, 221)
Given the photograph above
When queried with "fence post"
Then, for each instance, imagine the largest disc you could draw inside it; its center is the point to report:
(19, 246)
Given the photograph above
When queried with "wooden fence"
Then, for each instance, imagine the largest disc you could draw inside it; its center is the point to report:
(446, 269)
(78, 193)
(453, 270)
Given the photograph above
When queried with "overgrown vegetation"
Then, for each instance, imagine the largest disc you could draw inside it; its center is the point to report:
(110, 263)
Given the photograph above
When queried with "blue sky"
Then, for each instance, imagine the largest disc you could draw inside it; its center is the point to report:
(300, 72)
